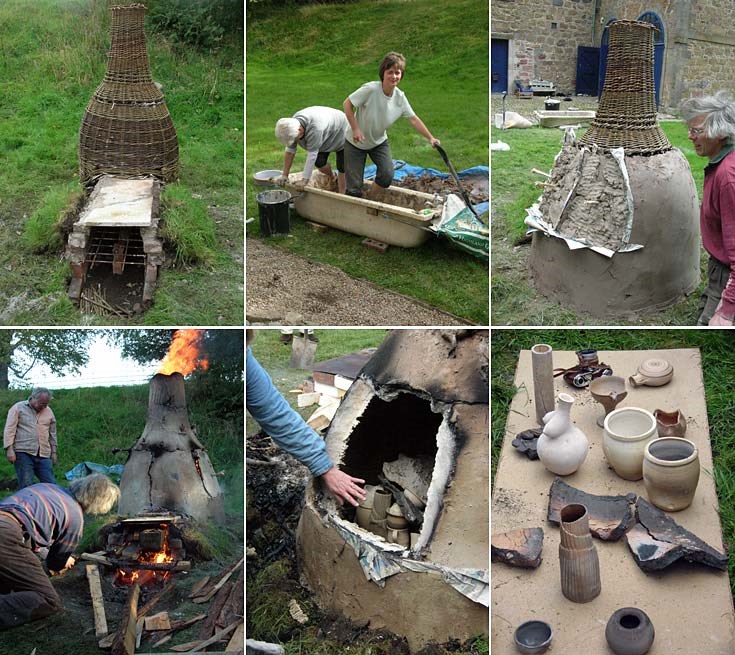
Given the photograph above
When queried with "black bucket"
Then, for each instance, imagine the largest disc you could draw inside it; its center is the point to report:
(273, 212)
(551, 104)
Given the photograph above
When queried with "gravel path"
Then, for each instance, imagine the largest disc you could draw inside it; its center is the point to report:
(285, 289)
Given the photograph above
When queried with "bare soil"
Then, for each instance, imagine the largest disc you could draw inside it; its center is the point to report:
(477, 188)
(281, 283)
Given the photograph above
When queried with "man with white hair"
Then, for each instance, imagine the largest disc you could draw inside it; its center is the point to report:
(29, 438)
(711, 122)
(320, 131)
(44, 517)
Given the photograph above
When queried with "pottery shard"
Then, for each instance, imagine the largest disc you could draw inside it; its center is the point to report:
(656, 541)
(527, 441)
(518, 547)
(610, 516)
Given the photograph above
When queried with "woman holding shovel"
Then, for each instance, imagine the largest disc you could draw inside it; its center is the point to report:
(370, 111)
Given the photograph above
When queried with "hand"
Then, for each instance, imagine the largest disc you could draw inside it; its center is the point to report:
(718, 320)
(280, 180)
(53, 458)
(343, 487)
(434, 142)
(300, 183)
(69, 563)
(358, 136)
(10, 454)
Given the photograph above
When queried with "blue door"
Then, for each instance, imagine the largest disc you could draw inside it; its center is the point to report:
(659, 41)
(498, 65)
(588, 70)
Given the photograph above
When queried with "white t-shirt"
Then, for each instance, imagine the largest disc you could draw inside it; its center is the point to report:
(376, 112)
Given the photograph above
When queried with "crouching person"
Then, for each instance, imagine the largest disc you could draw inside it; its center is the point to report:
(44, 516)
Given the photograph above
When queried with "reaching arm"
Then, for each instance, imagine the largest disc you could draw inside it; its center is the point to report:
(419, 126)
(349, 108)
(288, 158)
(11, 426)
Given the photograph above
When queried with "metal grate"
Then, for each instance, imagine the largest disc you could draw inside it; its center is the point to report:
(117, 247)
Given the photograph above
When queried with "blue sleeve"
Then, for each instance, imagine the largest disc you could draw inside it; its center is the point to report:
(284, 425)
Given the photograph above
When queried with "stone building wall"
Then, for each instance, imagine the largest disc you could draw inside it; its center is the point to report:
(543, 35)
(699, 55)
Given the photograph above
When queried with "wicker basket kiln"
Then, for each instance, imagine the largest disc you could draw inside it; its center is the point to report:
(126, 129)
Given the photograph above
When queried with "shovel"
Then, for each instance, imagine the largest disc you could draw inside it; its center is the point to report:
(465, 197)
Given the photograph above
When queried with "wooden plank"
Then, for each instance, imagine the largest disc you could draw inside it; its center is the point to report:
(198, 586)
(149, 605)
(220, 635)
(98, 603)
(124, 643)
(306, 399)
(209, 627)
(237, 642)
(156, 622)
(215, 588)
(98, 558)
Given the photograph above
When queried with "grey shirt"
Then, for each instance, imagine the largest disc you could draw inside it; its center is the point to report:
(324, 129)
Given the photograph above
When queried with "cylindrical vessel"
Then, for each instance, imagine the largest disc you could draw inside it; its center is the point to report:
(381, 502)
(671, 472)
(562, 447)
(362, 516)
(578, 561)
(126, 129)
(543, 380)
(627, 431)
(629, 632)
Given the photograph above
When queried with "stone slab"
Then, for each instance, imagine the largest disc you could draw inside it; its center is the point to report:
(688, 604)
(118, 202)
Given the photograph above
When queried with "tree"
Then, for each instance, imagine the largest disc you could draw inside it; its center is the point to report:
(60, 350)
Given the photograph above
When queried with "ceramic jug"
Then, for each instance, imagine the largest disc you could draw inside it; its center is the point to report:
(578, 560)
(671, 472)
(652, 373)
(627, 431)
(670, 424)
(562, 447)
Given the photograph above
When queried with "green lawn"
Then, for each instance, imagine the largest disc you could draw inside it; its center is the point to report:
(718, 362)
(514, 300)
(318, 55)
(53, 57)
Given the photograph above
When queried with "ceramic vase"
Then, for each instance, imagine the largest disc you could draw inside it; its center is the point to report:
(626, 432)
(362, 516)
(543, 380)
(562, 447)
(578, 561)
(671, 472)
(381, 503)
(670, 424)
(629, 632)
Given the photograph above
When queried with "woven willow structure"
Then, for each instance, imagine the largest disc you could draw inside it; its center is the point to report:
(126, 129)
(626, 115)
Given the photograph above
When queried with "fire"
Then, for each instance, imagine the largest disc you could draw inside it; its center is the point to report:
(183, 354)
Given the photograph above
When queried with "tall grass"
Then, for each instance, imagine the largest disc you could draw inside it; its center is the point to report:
(317, 54)
(53, 56)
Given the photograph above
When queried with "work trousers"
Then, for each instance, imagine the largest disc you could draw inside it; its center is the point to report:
(355, 167)
(27, 465)
(26, 592)
(718, 274)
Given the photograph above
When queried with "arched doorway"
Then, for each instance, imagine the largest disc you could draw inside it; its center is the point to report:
(652, 18)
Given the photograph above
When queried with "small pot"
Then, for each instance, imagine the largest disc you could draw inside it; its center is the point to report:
(533, 637)
(362, 516)
(653, 373)
(671, 472)
(395, 518)
(626, 433)
(400, 537)
(629, 632)
(670, 424)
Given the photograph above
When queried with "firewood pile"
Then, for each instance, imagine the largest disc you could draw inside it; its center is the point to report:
(221, 625)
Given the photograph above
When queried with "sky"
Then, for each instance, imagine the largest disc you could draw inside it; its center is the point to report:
(106, 368)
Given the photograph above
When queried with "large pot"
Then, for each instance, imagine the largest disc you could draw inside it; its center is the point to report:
(627, 431)
(671, 472)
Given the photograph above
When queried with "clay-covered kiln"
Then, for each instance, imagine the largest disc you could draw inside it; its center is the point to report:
(168, 467)
(423, 396)
(617, 225)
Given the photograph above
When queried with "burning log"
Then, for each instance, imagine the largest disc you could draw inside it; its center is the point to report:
(168, 467)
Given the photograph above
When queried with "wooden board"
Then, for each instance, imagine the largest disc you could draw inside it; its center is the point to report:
(676, 599)
(98, 604)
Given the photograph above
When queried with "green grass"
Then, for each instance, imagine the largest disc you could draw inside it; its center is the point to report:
(718, 362)
(90, 423)
(53, 57)
(338, 48)
(514, 300)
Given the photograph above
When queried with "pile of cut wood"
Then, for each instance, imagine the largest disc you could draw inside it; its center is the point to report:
(221, 624)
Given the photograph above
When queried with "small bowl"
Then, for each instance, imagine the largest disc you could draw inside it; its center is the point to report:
(265, 178)
(533, 637)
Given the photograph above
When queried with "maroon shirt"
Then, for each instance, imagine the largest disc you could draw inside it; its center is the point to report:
(717, 219)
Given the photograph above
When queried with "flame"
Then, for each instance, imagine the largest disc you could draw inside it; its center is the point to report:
(183, 354)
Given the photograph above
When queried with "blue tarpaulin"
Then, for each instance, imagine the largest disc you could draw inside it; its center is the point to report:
(86, 468)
